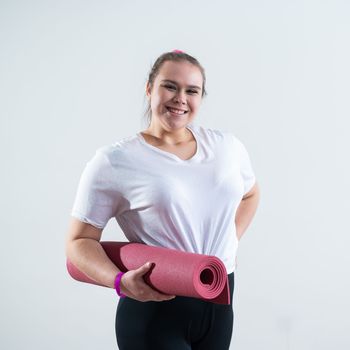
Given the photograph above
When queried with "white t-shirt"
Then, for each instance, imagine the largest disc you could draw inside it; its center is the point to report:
(161, 200)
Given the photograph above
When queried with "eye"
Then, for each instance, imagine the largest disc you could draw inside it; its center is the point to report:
(169, 86)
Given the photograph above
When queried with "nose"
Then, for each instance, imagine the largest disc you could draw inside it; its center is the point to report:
(180, 97)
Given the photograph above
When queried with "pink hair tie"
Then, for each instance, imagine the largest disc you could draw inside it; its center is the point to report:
(178, 51)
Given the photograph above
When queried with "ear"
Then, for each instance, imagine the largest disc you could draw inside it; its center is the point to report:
(148, 90)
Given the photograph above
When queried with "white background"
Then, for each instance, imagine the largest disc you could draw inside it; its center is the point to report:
(72, 79)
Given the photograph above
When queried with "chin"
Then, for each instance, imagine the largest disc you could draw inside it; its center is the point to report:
(178, 121)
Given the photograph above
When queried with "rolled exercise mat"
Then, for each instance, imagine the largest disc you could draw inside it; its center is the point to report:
(174, 272)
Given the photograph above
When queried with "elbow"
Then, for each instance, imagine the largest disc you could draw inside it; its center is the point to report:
(68, 247)
(254, 192)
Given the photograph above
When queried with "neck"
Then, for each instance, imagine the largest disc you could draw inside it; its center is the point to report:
(172, 137)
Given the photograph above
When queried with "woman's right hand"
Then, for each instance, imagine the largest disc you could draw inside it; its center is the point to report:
(133, 286)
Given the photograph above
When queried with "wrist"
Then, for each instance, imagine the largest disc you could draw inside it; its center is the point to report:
(117, 283)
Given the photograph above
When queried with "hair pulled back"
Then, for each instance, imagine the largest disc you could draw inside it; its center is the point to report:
(174, 56)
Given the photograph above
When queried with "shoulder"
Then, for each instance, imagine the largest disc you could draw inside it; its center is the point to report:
(118, 151)
(107, 159)
(226, 138)
(215, 134)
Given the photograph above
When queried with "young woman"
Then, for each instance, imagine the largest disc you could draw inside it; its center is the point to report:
(175, 185)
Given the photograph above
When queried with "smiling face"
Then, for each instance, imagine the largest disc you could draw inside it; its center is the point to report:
(176, 95)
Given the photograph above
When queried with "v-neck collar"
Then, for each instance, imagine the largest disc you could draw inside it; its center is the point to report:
(170, 154)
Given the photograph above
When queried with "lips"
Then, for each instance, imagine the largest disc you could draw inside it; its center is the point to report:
(177, 111)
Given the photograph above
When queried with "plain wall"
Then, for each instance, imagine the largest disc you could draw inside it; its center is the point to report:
(72, 79)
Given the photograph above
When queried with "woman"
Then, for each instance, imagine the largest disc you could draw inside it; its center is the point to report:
(173, 185)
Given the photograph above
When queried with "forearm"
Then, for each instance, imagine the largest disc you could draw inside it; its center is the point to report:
(245, 213)
(90, 258)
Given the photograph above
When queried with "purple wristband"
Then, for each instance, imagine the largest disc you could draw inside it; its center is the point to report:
(117, 284)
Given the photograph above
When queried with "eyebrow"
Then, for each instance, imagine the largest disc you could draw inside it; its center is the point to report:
(174, 82)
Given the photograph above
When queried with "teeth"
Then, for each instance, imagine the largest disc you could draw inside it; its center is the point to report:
(176, 111)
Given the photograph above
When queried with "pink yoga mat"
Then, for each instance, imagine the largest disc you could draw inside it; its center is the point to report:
(174, 272)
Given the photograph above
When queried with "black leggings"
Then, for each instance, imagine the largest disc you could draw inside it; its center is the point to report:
(182, 323)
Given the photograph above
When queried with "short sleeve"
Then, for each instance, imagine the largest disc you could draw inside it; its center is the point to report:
(95, 201)
(246, 168)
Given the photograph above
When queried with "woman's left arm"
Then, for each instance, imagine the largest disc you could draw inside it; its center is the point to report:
(246, 210)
